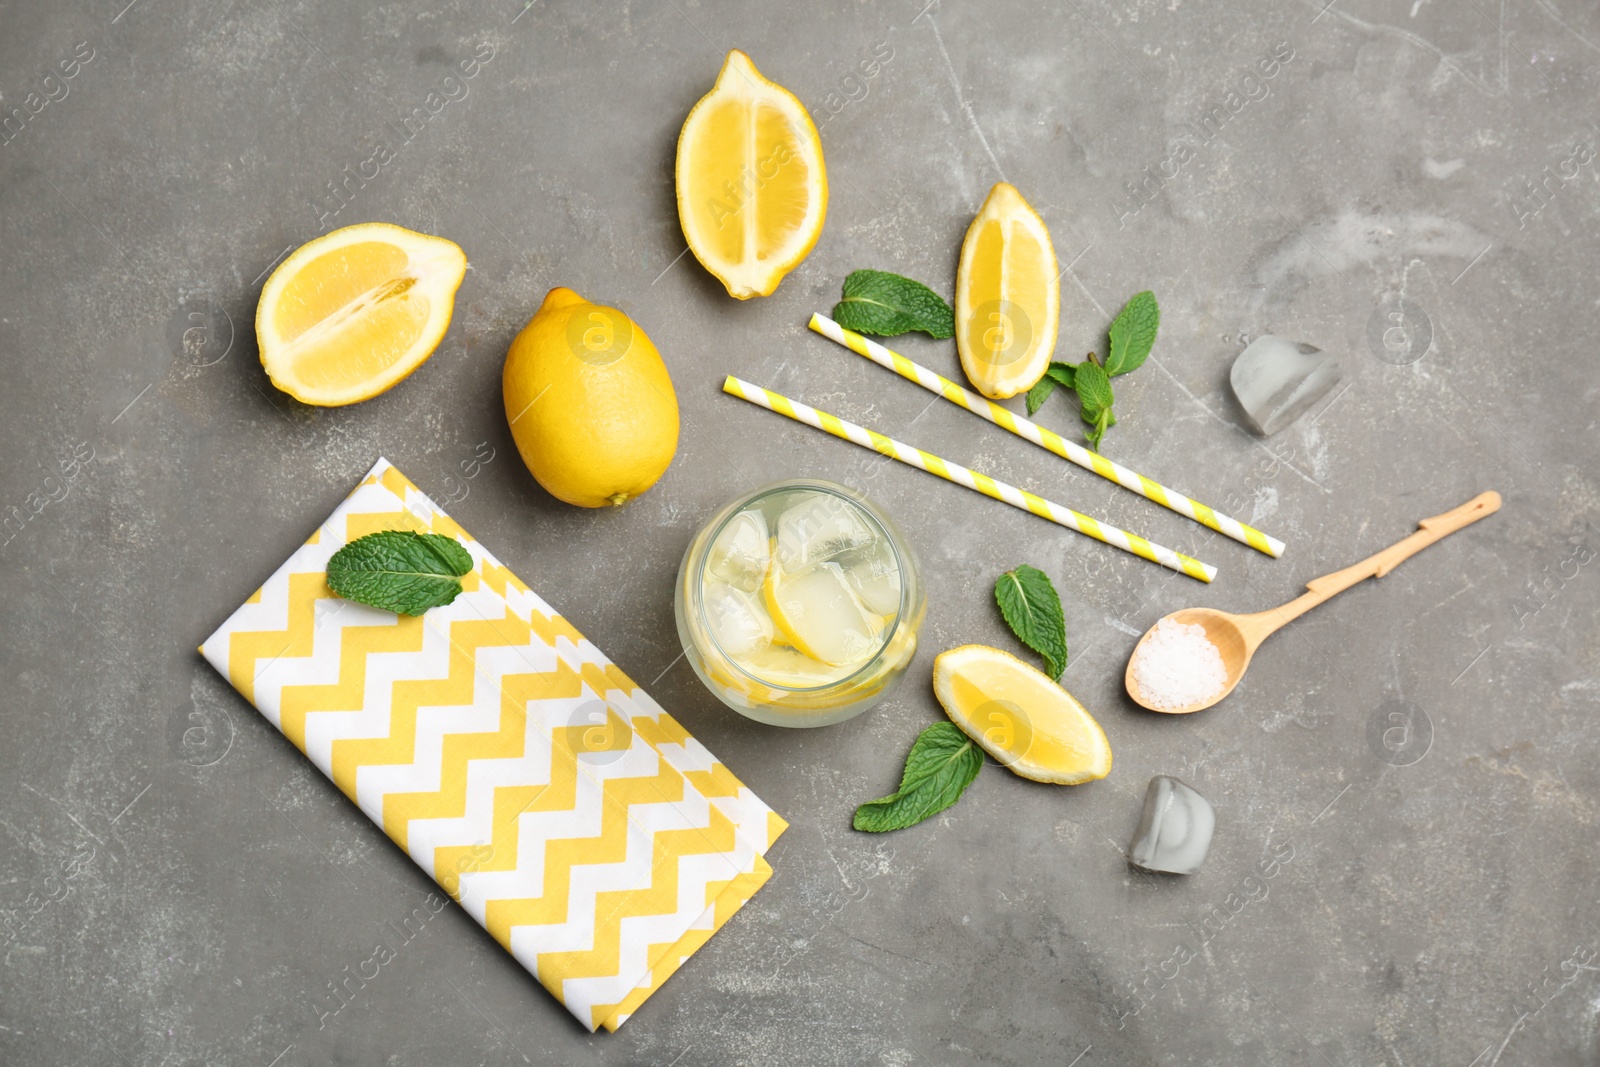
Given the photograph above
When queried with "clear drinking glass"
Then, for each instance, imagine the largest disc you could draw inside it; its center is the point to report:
(799, 604)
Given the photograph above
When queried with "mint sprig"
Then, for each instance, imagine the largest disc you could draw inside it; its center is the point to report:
(885, 304)
(1132, 335)
(1094, 400)
(400, 571)
(1062, 374)
(1033, 611)
(942, 763)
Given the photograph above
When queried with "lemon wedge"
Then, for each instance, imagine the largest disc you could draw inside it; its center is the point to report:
(1008, 296)
(1019, 716)
(752, 190)
(349, 314)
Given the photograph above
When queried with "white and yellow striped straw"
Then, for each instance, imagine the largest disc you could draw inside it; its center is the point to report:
(1032, 431)
(954, 472)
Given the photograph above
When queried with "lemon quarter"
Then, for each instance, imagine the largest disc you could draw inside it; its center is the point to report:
(1019, 716)
(1008, 296)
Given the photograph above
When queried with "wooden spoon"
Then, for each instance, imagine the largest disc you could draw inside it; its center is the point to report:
(1238, 636)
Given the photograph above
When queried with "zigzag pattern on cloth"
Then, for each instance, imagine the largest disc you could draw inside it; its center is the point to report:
(544, 791)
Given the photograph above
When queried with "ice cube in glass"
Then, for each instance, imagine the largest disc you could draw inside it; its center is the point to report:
(737, 619)
(741, 553)
(819, 528)
(822, 616)
(874, 574)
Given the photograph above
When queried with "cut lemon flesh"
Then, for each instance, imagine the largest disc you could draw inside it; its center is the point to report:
(818, 614)
(1020, 717)
(1008, 296)
(351, 313)
(790, 669)
(752, 189)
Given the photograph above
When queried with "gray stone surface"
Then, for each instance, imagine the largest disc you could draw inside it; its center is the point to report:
(1413, 763)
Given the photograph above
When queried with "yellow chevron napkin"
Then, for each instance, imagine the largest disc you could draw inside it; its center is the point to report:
(557, 803)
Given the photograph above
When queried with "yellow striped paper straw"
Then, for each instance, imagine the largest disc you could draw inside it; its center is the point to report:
(1032, 431)
(954, 472)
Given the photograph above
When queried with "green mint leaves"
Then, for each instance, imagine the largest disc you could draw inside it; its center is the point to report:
(943, 760)
(400, 571)
(1033, 611)
(1132, 335)
(1094, 400)
(1062, 374)
(887, 305)
(942, 763)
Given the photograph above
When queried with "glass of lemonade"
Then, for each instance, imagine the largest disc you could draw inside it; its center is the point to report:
(798, 604)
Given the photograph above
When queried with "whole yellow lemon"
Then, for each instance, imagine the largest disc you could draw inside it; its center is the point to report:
(590, 403)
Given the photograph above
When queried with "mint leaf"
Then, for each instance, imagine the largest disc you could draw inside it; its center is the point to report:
(1040, 392)
(1055, 374)
(1033, 611)
(942, 763)
(400, 571)
(1102, 422)
(1062, 374)
(1094, 389)
(1133, 334)
(885, 304)
(1094, 401)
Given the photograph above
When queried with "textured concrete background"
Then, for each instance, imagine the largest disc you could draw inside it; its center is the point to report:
(179, 886)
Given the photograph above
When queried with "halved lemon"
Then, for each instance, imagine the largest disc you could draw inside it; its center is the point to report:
(1008, 296)
(351, 313)
(752, 189)
(1020, 717)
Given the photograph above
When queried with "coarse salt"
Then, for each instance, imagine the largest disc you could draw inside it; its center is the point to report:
(1178, 666)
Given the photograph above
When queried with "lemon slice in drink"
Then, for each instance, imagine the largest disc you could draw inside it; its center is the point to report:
(818, 613)
(1008, 296)
(1020, 717)
(752, 191)
(790, 669)
(349, 314)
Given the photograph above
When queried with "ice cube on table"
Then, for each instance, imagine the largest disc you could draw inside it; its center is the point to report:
(819, 528)
(823, 617)
(1278, 380)
(875, 576)
(1174, 832)
(738, 621)
(741, 553)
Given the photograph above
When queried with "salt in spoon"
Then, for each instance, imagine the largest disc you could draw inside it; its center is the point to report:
(1238, 636)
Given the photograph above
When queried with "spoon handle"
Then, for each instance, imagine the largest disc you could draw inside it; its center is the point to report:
(1436, 529)
(1381, 563)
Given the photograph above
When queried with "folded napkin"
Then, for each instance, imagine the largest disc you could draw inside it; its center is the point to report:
(543, 790)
